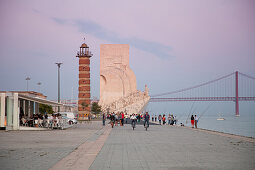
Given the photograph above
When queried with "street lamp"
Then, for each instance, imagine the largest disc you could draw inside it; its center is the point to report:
(58, 64)
(39, 83)
(27, 79)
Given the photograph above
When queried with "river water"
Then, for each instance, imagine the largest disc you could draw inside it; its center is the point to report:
(243, 125)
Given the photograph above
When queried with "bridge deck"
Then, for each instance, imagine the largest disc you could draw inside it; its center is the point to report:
(165, 99)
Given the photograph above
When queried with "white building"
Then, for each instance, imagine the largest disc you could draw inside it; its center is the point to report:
(14, 102)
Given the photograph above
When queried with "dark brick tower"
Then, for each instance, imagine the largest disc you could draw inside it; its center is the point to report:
(84, 82)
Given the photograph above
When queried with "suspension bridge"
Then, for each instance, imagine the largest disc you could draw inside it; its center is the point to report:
(234, 87)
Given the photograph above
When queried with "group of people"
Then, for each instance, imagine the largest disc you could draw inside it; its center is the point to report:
(41, 120)
(34, 120)
(171, 119)
(115, 118)
(120, 118)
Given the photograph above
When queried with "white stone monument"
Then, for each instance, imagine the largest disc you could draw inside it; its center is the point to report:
(118, 82)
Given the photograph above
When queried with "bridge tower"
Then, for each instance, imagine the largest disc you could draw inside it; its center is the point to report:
(84, 82)
(237, 97)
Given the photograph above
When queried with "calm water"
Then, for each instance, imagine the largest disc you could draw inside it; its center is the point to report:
(243, 125)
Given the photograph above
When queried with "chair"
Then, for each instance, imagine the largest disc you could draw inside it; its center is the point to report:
(36, 123)
(40, 123)
(24, 122)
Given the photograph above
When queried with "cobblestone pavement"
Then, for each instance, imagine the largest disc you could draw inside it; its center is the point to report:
(168, 147)
(42, 149)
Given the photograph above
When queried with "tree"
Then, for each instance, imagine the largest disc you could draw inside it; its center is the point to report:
(96, 109)
(45, 108)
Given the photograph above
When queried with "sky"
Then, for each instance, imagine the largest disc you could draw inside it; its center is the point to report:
(173, 44)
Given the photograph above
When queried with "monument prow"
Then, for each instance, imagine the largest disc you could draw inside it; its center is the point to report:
(118, 91)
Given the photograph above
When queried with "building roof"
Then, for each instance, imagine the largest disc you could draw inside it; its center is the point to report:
(39, 100)
(84, 45)
(33, 96)
(29, 93)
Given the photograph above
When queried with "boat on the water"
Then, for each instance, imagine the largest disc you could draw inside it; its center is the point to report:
(220, 117)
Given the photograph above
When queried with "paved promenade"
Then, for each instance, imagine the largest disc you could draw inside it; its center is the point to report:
(167, 147)
(40, 150)
(90, 146)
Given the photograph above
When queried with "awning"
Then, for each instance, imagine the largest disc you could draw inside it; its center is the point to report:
(39, 100)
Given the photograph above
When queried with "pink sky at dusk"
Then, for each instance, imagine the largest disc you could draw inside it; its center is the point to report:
(173, 44)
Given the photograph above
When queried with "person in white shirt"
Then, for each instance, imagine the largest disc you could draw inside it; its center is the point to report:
(133, 119)
(196, 120)
(126, 117)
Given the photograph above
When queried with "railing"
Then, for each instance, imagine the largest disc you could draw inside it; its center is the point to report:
(86, 53)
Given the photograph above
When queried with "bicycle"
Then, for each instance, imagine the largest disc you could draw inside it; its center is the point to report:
(146, 125)
(133, 124)
(112, 123)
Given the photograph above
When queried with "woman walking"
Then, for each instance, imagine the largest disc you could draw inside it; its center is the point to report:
(164, 119)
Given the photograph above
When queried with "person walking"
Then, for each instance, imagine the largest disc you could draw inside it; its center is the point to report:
(126, 117)
(89, 118)
(192, 121)
(152, 118)
(139, 117)
(112, 118)
(146, 119)
(116, 119)
(155, 118)
(159, 119)
(196, 121)
(164, 119)
(104, 119)
(172, 120)
(169, 119)
(175, 120)
(122, 118)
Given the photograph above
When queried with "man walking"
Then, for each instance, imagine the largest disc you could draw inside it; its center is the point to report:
(104, 119)
(196, 120)
(146, 119)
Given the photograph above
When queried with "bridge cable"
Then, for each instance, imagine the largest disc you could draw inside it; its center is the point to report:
(190, 111)
(205, 111)
(193, 87)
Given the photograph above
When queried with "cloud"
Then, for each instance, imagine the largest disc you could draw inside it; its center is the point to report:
(59, 21)
(89, 27)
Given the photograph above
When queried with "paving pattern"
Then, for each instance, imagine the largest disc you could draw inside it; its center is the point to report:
(168, 147)
(91, 146)
(40, 150)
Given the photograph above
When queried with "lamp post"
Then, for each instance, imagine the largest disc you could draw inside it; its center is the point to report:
(58, 64)
(27, 79)
(39, 83)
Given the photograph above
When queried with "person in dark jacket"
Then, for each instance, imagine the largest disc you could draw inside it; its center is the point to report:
(146, 118)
